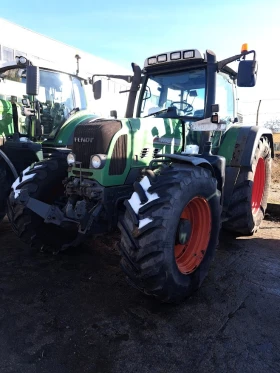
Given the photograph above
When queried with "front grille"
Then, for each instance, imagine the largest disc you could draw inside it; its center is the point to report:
(93, 138)
(119, 156)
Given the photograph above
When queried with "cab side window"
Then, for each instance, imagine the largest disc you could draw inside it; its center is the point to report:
(225, 97)
(80, 98)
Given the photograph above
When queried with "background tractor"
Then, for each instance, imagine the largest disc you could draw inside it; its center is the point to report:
(168, 177)
(39, 109)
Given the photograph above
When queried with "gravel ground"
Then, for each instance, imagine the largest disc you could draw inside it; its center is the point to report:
(74, 312)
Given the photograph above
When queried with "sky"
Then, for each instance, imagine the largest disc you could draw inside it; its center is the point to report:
(128, 31)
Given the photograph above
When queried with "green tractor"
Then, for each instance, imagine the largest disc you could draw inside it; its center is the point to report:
(39, 109)
(168, 177)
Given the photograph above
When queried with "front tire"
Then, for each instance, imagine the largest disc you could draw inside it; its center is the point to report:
(170, 231)
(250, 195)
(43, 181)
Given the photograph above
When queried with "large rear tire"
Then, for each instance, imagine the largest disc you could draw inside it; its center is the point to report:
(170, 231)
(43, 181)
(250, 195)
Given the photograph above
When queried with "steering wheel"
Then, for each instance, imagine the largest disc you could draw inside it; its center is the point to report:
(187, 110)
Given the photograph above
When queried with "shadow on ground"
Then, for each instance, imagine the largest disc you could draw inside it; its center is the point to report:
(74, 312)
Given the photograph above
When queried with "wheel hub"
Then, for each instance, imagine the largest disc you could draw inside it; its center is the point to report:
(258, 186)
(193, 235)
(183, 232)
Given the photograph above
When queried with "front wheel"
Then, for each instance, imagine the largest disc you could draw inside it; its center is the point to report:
(170, 231)
(42, 181)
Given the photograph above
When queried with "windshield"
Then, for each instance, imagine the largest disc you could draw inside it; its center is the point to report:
(59, 95)
(182, 93)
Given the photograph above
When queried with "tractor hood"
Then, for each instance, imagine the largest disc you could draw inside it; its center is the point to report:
(63, 136)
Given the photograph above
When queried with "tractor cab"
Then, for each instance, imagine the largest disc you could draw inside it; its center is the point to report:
(190, 90)
(55, 96)
(35, 102)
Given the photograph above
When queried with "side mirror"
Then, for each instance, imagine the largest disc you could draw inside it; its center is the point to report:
(247, 73)
(32, 80)
(97, 89)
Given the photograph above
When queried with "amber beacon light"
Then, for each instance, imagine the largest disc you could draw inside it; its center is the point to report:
(244, 48)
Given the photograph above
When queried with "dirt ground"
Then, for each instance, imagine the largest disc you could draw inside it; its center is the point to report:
(274, 196)
(74, 312)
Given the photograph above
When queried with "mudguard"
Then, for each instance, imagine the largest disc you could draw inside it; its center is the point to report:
(239, 144)
(195, 161)
(9, 164)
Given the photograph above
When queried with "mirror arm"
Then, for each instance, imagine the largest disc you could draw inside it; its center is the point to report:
(135, 85)
(237, 57)
(127, 78)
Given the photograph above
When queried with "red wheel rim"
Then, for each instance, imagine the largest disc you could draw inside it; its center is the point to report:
(258, 186)
(190, 254)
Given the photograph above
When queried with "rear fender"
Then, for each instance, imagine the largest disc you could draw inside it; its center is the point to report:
(239, 144)
(254, 135)
(238, 147)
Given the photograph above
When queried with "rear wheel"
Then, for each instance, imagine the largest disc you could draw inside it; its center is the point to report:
(170, 231)
(249, 199)
(43, 181)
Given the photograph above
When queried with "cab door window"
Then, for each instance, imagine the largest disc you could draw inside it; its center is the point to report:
(225, 97)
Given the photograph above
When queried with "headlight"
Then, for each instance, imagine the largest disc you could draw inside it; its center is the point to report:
(97, 160)
(71, 159)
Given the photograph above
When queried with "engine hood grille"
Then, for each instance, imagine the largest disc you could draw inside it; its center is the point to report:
(93, 137)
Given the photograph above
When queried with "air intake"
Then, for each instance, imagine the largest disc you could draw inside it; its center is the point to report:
(119, 156)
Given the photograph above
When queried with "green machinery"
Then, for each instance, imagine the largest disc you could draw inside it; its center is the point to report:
(39, 109)
(168, 177)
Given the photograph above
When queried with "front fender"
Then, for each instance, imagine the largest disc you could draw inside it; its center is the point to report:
(195, 161)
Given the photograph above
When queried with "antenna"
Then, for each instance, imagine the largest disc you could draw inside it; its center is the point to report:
(77, 58)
